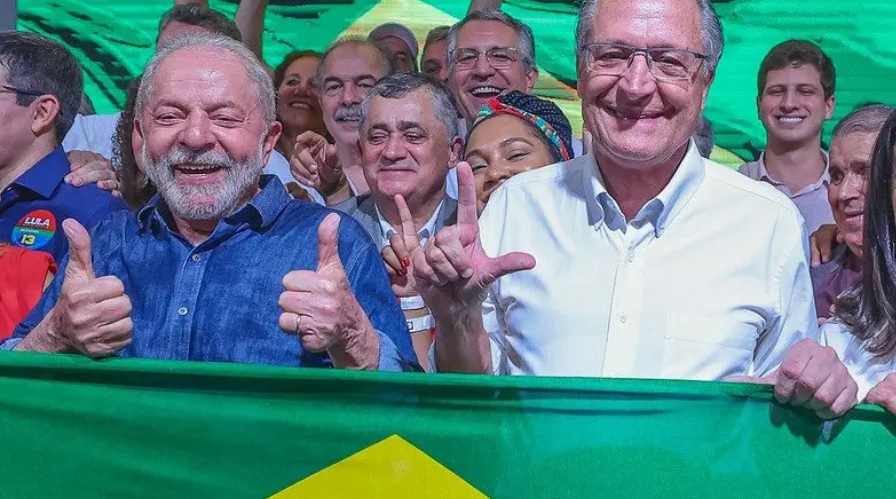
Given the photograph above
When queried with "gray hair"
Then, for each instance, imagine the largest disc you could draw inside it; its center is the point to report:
(527, 40)
(398, 85)
(710, 27)
(437, 34)
(704, 137)
(388, 59)
(37, 64)
(869, 118)
(261, 80)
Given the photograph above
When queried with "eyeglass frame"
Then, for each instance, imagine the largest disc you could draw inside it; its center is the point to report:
(517, 53)
(700, 58)
(14, 90)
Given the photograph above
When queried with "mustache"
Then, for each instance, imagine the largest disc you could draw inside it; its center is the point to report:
(184, 155)
(352, 112)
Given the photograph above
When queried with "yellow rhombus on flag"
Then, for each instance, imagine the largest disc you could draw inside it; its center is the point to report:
(391, 468)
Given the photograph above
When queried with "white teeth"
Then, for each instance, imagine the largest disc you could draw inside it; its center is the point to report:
(485, 90)
(790, 120)
(206, 169)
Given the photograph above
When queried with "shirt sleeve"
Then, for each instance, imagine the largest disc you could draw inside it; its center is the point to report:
(792, 286)
(37, 314)
(491, 224)
(390, 359)
(92, 133)
(861, 364)
(368, 279)
(76, 138)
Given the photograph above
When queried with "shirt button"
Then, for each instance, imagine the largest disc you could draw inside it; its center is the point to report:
(182, 311)
(196, 258)
(623, 318)
(631, 256)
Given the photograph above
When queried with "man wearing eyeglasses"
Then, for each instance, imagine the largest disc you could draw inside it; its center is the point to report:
(40, 91)
(489, 52)
(643, 260)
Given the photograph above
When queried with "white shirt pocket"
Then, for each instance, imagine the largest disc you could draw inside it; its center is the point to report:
(696, 347)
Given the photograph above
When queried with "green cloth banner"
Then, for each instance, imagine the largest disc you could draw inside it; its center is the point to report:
(73, 428)
(114, 39)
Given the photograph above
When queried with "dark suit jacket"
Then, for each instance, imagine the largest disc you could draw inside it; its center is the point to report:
(362, 209)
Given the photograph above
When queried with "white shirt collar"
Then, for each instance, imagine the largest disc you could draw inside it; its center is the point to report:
(659, 211)
(427, 231)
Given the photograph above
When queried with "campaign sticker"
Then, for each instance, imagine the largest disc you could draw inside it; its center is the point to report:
(34, 230)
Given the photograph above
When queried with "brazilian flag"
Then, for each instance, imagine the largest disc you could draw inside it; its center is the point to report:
(114, 39)
(130, 428)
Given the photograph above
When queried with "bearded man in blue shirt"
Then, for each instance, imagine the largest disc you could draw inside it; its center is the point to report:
(212, 266)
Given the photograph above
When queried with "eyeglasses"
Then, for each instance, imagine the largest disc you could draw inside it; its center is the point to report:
(14, 90)
(665, 64)
(497, 57)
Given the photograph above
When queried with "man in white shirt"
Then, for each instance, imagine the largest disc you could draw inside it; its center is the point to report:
(643, 259)
(408, 142)
(796, 96)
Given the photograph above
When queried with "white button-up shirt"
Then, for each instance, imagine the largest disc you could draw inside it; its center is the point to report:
(864, 368)
(710, 279)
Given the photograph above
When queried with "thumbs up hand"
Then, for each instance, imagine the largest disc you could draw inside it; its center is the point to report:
(321, 308)
(92, 315)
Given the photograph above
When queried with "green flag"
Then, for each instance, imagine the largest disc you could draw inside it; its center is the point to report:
(125, 428)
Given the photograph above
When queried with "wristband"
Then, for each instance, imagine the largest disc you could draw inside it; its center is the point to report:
(411, 302)
(420, 324)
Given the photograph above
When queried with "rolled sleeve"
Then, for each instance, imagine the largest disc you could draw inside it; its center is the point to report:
(10, 343)
(390, 360)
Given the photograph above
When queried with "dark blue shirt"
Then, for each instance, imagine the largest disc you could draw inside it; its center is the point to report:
(218, 301)
(33, 207)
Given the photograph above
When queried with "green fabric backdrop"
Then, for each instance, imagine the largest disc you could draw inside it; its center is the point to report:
(114, 38)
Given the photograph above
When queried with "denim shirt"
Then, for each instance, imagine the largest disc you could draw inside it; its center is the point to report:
(218, 301)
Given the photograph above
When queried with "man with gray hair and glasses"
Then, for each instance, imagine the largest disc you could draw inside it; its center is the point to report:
(491, 53)
(221, 265)
(640, 260)
(408, 141)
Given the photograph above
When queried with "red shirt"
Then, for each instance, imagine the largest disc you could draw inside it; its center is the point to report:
(22, 277)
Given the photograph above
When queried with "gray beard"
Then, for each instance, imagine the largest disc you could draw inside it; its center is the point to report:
(209, 201)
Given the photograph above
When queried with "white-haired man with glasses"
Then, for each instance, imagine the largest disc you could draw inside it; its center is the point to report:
(643, 259)
(489, 52)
